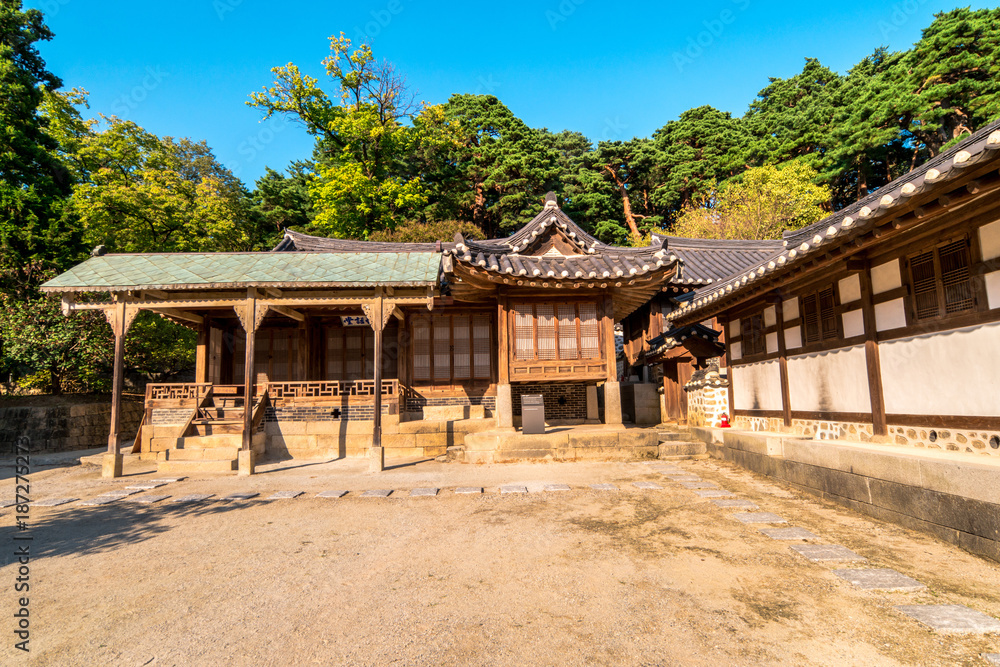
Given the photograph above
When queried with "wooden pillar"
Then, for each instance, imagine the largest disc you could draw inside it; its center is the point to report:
(201, 352)
(612, 388)
(786, 403)
(874, 364)
(120, 317)
(250, 318)
(724, 321)
(377, 311)
(505, 395)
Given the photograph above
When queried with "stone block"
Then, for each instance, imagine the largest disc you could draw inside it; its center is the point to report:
(449, 412)
(111, 465)
(481, 442)
(466, 490)
(612, 403)
(756, 443)
(286, 427)
(426, 492)
(376, 459)
(819, 553)
(247, 461)
(600, 439)
(337, 493)
(880, 579)
(423, 426)
(713, 493)
(376, 493)
(593, 412)
(480, 457)
(556, 487)
(505, 406)
(951, 618)
(795, 533)
(284, 495)
(399, 441)
(758, 517)
(516, 441)
(737, 502)
(511, 455)
(513, 489)
(433, 440)
(192, 498)
(433, 452)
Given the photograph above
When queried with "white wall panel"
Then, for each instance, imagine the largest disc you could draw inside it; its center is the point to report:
(886, 277)
(757, 386)
(989, 240)
(993, 289)
(890, 315)
(854, 323)
(832, 381)
(735, 351)
(771, 341)
(734, 328)
(770, 316)
(793, 338)
(850, 289)
(790, 309)
(953, 372)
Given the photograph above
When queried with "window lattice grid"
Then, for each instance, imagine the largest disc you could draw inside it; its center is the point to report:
(461, 357)
(925, 298)
(354, 354)
(589, 328)
(568, 348)
(524, 333)
(421, 350)
(828, 313)
(482, 342)
(955, 277)
(752, 334)
(545, 324)
(335, 354)
(442, 348)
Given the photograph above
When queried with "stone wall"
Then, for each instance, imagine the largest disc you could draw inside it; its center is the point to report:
(562, 401)
(62, 428)
(706, 404)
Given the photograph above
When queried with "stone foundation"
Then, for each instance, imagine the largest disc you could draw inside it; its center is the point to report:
(64, 428)
(562, 401)
(706, 405)
(584, 444)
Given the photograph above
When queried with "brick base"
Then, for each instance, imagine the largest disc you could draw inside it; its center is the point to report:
(562, 401)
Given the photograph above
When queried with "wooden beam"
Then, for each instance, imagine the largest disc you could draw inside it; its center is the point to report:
(155, 293)
(201, 354)
(250, 322)
(872, 359)
(786, 402)
(288, 312)
(179, 314)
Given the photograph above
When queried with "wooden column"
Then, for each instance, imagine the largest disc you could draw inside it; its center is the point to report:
(724, 321)
(250, 315)
(608, 333)
(201, 352)
(786, 403)
(378, 312)
(879, 426)
(503, 343)
(120, 317)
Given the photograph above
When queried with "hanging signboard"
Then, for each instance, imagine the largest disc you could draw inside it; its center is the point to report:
(354, 321)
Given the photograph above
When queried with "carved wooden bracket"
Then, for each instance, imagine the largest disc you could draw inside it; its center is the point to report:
(378, 312)
(243, 312)
(111, 315)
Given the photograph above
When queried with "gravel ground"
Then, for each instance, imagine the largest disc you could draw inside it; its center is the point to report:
(578, 577)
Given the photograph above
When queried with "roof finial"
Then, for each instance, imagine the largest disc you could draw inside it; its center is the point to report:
(98, 251)
(551, 201)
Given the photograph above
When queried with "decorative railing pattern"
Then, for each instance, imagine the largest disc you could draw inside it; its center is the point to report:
(330, 389)
(177, 391)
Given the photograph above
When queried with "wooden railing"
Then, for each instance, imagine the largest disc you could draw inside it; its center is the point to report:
(179, 391)
(193, 395)
(330, 389)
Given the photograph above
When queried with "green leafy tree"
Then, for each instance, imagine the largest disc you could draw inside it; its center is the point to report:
(622, 171)
(416, 231)
(760, 204)
(158, 349)
(360, 185)
(281, 201)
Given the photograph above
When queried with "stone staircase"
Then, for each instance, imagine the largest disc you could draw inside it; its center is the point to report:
(676, 444)
(210, 443)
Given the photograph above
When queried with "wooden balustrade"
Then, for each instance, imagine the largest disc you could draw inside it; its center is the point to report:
(190, 395)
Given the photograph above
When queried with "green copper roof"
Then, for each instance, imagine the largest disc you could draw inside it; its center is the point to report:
(265, 269)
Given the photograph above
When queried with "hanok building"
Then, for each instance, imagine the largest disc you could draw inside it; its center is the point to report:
(879, 328)
(327, 348)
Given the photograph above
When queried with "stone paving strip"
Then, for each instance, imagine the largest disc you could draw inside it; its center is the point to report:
(758, 517)
(7, 503)
(462, 490)
(557, 487)
(735, 502)
(336, 493)
(647, 485)
(952, 619)
(880, 579)
(819, 553)
(144, 500)
(991, 658)
(699, 485)
(424, 492)
(192, 498)
(121, 493)
(714, 493)
(789, 534)
(147, 486)
(513, 488)
(604, 487)
(53, 502)
(242, 495)
(377, 493)
(168, 480)
(100, 500)
(285, 495)
(686, 478)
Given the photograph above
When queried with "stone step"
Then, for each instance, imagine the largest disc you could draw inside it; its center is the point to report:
(206, 427)
(674, 451)
(674, 436)
(209, 441)
(203, 454)
(224, 413)
(162, 444)
(188, 467)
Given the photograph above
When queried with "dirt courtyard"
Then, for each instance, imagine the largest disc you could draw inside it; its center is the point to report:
(579, 577)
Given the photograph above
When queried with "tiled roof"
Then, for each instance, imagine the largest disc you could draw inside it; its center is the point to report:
(228, 270)
(705, 261)
(299, 242)
(850, 222)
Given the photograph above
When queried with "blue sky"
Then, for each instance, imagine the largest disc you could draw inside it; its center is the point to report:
(609, 70)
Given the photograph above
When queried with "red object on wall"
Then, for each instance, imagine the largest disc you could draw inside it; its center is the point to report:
(724, 419)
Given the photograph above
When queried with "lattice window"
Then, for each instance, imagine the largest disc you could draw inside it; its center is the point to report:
(421, 349)
(545, 327)
(354, 353)
(482, 342)
(819, 316)
(461, 357)
(568, 334)
(442, 348)
(335, 355)
(524, 332)
(942, 281)
(590, 347)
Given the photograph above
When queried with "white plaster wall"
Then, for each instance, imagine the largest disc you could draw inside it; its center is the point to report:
(854, 323)
(793, 338)
(771, 341)
(890, 315)
(993, 289)
(757, 386)
(770, 316)
(989, 240)
(886, 277)
(734, 328)
(790, 309)
(850, 289)
(953, 372)
(736, 350)
(831, 381)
